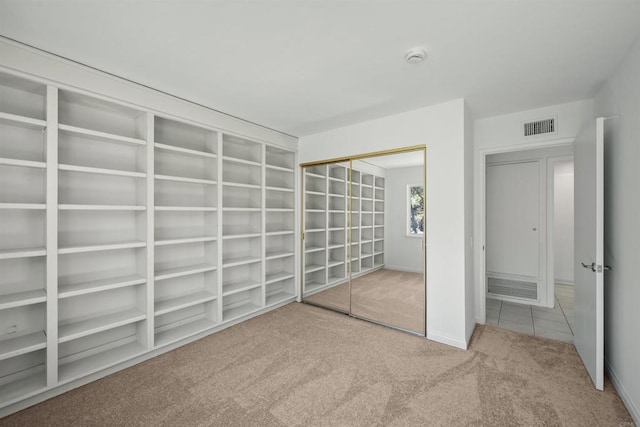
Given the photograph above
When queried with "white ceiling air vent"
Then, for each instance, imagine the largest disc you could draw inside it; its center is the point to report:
(540, 127)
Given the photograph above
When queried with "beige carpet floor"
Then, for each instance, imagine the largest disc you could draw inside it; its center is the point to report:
(388, 296)
(303, 365)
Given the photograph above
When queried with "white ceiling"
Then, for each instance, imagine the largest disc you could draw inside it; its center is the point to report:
(306, 66)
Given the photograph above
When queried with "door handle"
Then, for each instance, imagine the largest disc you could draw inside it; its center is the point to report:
(591, 267)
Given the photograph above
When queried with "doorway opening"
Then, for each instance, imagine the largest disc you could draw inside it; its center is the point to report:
(529, 241)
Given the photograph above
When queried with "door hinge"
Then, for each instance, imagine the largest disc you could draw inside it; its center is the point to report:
(303, 235)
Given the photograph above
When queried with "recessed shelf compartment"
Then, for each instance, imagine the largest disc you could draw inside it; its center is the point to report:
(167, 305)
(241, 303)
(239, 174)
(77, 328)
(22, 100)
(236, 148)
(22, 376)
(22, 229)
(22, 344)
(93, 114)
(73, 286)
(277, 179)
(22, 185)
(76, 188)
(238, 224)
(182, 225)
(276, 158)
(279, 269)
(189, 139)
(279, 200)
(94, 229)
(185, 323)
(183, 260)
(92, 353)
(241, 197)
(280, 290)
(241, 278)
(178, 166)
(180, 194)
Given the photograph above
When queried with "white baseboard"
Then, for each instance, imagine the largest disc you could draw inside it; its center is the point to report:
(400, 268)
(445, 339)
(623, 393)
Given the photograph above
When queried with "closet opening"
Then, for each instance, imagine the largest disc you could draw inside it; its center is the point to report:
(529, 241)
(363, 242)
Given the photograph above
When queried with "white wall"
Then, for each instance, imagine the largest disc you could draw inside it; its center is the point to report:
(621, 96)
(563, 222)
(402, 252)
(441, 129)
(504, 133)
(468, 224)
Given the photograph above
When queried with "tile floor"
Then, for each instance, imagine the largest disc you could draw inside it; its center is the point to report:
(555, 323)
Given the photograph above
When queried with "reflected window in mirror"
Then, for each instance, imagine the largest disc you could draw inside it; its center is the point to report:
(415, 210)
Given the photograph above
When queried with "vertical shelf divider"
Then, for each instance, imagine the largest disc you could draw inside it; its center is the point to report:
(220, 217)
(263, 226)
(52, 235)
(149, 338)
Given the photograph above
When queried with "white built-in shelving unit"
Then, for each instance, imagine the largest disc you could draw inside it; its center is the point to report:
(124, 231)
(343, 225)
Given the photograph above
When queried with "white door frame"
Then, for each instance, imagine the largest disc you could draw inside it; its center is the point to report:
(481, 229)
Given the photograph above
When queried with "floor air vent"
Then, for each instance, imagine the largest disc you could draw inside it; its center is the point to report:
(513, 288)
(540, 127)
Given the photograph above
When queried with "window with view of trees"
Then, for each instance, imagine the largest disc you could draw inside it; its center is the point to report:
(416, 210)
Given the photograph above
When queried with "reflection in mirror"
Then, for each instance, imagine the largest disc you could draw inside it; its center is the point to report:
(387, 232)
(325, 252)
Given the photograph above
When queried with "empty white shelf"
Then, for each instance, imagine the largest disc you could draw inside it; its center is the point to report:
(170, 273)
(283, 189)
(22, 121)
(312, 268)
(335, 263)
(185, 209)
(22, 253)
(241, 236)
(279, 233)
(24, 387)
(185, 240)
(100, 247)
(314, 175)
(68, 290)
(186, 151)
(20, 299)
(278, 168)
(233, 262)
(310, 249)
(185, 179)
(235, 287)
(279, 209)
(70, 207)
(278, 277)
(315, 193)
(230, 313)
(241, 209)
(240, 185)
(87, 365)
(26, 206)
(278, 297)
(101, 171)
(243, 161)
(278, 254)
(182, 331)
(104, 136)
(177, 303)
(73, 329)
(23, 163)
(22, 344)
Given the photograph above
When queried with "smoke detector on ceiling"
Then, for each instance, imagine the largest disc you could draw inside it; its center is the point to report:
(415, 55)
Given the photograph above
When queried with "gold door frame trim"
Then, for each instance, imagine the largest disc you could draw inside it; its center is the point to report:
(350, 159)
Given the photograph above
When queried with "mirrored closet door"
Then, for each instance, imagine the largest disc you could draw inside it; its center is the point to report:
(363, 242)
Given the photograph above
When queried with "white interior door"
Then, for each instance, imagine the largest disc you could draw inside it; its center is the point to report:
(513, 219)
(589, 253)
